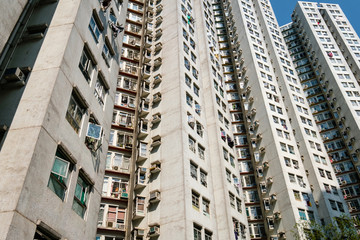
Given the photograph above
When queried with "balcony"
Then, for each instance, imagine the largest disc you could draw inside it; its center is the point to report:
(145, 89)
(140, 178)
(144, 130)
(139, 208)
(146, 71)
(144, 107)
(148, 42)
(147, 56)
(150, 6)
(149, 28)
(142, 152)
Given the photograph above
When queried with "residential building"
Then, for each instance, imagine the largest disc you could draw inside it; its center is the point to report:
(324, 49)
(59, 65)
(176, 119)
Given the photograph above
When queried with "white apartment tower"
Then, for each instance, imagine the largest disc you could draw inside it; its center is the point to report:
(281, 168)
(325, 50)
(166, 121)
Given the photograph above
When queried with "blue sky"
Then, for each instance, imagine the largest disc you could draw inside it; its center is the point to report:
(284, 8)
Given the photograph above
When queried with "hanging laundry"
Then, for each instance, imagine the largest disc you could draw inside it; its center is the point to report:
(236, 234)
(116, 28)
(318, 21)
(330, 54)
(223, 135)
(190, 19)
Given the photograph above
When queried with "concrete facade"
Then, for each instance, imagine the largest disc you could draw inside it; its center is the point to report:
(50, 48)
(324, 60)
(197, 120)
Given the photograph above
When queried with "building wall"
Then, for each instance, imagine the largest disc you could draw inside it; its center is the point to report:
(11, 13)
(39, 126)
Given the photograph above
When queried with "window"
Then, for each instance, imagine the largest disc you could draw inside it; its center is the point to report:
(291, 149)
(328, 174)
(238, 205)
(208, 235)
(100, 90)
(206, 207)
(196, 90)
(232, 200)
(59, 174)
(340, 206)
(197, 232)
(192, 144)
(292, 178)
(186, 48)
(333, 205)
(87, 64)
(81, 195)
(302, 214)
(193, 170)
(187, 63)
(94, 28)
(189, 99)
(297, 195)
(193, 57)
(107, 53)
(75, 112)
(42, 233)
(203, 178)
(311, 216)
(201, 151)
(228, 175)
(195, 200)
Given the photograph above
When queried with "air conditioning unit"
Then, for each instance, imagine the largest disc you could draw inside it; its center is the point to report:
(124, 195)
(120, 226)
(139, 232)
(273, 197)
(14, 75)
(154, 196)
(110, 224)
(154, 230)
(262, 150)
(115, 167)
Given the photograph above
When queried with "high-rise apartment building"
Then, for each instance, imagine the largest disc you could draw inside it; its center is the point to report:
(325, 50)
(175, 119)
(58, 63)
